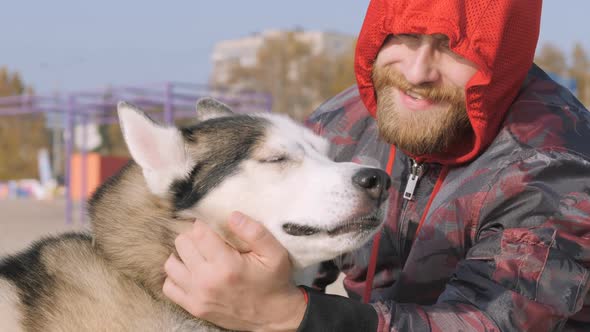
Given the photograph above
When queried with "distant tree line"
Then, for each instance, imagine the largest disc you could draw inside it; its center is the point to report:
(553, 60)
(297, 79)
(21, 136)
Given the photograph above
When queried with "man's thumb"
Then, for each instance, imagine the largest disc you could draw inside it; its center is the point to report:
(253, 234)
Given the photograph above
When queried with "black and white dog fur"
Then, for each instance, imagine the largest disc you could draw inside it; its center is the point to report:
(264, 165)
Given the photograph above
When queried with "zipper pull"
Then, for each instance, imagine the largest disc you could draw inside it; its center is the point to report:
(415, 173)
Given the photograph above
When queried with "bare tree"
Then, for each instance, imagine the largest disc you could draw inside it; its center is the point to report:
(552, 59)
(21, 136)
(580, 71)
(297, 79)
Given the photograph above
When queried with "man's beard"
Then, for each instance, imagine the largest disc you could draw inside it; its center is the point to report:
(419, 132)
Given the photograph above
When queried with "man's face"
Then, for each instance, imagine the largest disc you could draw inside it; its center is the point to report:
(420, 86)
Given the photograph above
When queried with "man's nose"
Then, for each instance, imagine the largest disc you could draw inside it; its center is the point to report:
(420, 67)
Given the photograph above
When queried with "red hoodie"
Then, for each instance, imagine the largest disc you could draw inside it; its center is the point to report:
(499, 36)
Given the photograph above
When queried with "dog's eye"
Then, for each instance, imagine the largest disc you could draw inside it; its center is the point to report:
(275, 159)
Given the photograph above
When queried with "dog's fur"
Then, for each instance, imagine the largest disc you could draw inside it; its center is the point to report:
(263, 165)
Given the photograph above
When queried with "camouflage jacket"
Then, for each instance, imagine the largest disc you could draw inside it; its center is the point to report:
(502, 245)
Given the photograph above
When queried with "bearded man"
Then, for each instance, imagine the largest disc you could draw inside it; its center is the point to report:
(488, 227)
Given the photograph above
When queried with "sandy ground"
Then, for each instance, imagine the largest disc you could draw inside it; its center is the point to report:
(24, 221)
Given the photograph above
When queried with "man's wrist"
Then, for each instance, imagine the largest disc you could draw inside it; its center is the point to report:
(327, 312)
(288, 310)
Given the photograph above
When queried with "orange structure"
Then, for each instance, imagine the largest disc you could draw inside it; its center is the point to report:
(98, 169)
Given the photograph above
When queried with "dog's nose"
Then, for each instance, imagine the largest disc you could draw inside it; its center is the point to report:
(374, 182)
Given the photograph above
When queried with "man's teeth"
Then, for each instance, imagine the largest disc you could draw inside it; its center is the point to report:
(414, 95)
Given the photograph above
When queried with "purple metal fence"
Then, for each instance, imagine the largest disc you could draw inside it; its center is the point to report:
(173, 100)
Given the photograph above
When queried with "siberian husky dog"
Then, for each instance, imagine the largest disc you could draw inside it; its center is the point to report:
(264, 165)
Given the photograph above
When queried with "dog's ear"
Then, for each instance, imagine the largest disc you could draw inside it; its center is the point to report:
(210, 108)
(158, 150)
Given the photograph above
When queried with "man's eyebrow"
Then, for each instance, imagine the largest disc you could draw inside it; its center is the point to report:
(440, 37)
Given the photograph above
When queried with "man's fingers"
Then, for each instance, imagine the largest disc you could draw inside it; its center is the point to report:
(178, 272)
(209, 244)
(187, 251)
(174, 292)
(254, 234)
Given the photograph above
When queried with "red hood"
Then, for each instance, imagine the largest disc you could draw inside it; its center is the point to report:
(499, 36)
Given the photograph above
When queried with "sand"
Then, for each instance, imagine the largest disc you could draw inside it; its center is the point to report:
(23, 221)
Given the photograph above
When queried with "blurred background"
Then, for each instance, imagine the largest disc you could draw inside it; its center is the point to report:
(64, 65)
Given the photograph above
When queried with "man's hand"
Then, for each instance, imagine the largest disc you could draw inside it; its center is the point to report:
(249, 291)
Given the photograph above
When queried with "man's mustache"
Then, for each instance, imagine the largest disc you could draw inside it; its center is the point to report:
(389, 77)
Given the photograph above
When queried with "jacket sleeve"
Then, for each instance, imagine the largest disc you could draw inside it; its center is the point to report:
(527, 269)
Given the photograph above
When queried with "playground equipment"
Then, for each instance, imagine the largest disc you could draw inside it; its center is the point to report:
(73, 118)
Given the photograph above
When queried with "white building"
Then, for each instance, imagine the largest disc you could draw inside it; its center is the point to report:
(243, 51)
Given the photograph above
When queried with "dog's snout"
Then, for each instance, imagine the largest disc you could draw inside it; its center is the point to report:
(374, 182)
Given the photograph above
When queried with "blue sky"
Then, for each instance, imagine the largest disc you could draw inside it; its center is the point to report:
(69, 45)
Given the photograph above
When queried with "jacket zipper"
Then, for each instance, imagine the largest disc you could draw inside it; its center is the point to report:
(416, 171)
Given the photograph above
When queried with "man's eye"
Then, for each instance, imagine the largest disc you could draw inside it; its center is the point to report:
(275, 159)
(444, 45)
(408, 39)
(409, 36)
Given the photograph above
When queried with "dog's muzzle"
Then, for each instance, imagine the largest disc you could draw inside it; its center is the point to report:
(357, 225)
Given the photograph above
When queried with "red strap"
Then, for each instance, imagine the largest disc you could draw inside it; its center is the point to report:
(305, 295)
(439, 181)
(375, 248)
(371, 268)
